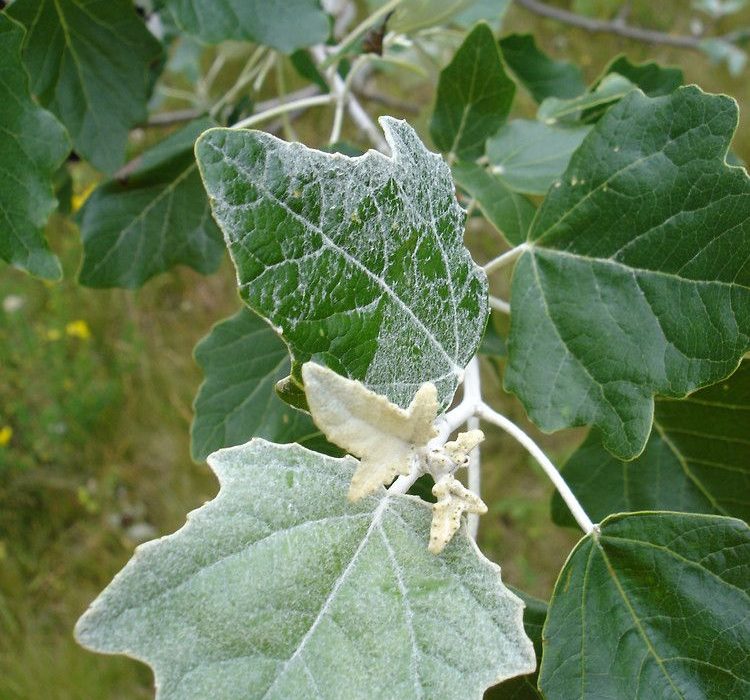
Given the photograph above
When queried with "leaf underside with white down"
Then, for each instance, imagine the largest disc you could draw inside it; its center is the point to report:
(32, 146)
(285, 25)
(365, 424)
(637, 281)
(656, 606)
(697, 460)
(358, 260)
(242, 359)
(88, 63)
(474, 96)
(155, 219)
(280, 588)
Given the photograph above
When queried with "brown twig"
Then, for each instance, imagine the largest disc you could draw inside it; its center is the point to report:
(618, 27)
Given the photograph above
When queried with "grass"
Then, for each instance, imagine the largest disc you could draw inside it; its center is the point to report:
(97, 389)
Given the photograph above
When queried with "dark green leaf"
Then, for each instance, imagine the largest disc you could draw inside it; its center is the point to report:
(156, 218)
(493, 343)
(542, 76)
(656, 606)
(242, 358)
(697, 460)
(474, 96)
(89, 63)
(286, 25)
(357, 260)
(636, 282)
(280, 588)
(509, 212)
(32, 147)
(650, 77)
(525, 687)
(528, 156)
(305, 66)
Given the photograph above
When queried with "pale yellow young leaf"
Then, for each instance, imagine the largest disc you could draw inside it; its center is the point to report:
(383, 435)
(453, 500)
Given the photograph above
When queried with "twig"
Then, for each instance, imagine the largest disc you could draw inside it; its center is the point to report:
(485, 412)
(499, 304)
(176, 117)
(289, 106)
(618, 27)
(355, 109)
(505, 258)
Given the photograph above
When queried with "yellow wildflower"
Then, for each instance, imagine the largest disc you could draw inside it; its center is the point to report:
(78, 329)
(6, 433)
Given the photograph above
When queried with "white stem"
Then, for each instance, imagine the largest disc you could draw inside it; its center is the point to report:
(290, 106)
(475, 477)
(506, 258)
(485, 412)
(342, 98)
(357, 113)
(499, 305)
(263, 72)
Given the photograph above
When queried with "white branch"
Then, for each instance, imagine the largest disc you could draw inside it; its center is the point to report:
(290, 106)
(356, 111)
(475, 477)
(506, 258)
(485, 412)
(499, 304)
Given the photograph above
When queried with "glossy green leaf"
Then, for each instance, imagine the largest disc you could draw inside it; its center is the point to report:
(154, 219)
(88, 61)
(525, 687)
(612, 88)
(510, 213)
(636, 282)
(528, 156)
(32, 146)
(474, 96)
(357, 260)
(242, 358)
(281, 588)
(697, 460)
(542, 76)
(653, 79)
(285, 25)
(655, 606)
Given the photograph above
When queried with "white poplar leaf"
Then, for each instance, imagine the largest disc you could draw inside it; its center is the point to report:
(383, 435)
(281, 589)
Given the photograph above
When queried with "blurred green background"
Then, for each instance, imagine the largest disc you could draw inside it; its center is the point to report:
(96, 390)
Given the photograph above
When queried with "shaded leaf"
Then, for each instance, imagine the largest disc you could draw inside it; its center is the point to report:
(32, 147)
(612, 88)
(280, 588)
(359, 261)
(474, 96)
(528, 156)
(285, 25)
(653, 607)
(155, 219)
(89, 62)
(696, 460)
(242, 358)
(653, 79)
(637, 281)
(542, 76)
(510, 213)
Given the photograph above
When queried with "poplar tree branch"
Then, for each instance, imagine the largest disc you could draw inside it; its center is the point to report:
(617, 27)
